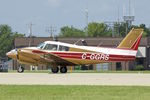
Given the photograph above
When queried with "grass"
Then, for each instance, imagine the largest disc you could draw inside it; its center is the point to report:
(38, 92)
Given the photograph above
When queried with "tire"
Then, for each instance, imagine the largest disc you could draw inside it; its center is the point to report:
(55, 69)
(63, 69)
(20, 69)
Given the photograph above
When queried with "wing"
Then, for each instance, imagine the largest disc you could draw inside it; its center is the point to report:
(50, 58)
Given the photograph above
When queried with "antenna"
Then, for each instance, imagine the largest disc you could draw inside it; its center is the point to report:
(87, 16)
(129, 7)
(118, 23)
(124, 9)
(133, 11)
(30, 33)
(51, 30)
(118, 14)
(87, 20)
(128, 18)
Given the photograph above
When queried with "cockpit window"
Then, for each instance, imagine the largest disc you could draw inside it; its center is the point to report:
(41, 45)
(63, 48)
(51, 47)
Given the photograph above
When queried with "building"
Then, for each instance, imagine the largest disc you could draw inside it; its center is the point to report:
(143, 56)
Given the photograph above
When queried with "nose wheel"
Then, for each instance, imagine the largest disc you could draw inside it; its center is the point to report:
(20, 69)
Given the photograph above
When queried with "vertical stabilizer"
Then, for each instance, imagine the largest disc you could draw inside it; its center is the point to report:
(132, 40)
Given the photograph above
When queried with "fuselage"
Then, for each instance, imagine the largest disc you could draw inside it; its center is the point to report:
(60, 55)
(76, 55)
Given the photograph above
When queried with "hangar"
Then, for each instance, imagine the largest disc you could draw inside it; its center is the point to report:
(143, 55)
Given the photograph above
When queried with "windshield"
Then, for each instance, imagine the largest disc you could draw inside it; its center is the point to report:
(40, 46)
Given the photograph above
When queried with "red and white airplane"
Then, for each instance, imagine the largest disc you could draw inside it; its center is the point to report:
(58, 55)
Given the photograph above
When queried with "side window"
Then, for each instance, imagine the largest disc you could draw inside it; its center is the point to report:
(63, 48)
(54, 47)
(50, 47)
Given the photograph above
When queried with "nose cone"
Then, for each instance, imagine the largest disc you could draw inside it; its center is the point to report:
(12, 54)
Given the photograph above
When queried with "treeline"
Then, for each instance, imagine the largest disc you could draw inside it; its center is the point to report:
(95, 29)
(7, 39)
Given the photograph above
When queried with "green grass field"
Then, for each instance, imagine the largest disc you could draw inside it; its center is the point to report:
(15, 92)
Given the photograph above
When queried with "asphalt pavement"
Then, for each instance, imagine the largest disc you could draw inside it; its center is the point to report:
(75, 79)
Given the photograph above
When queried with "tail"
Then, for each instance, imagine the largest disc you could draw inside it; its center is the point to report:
(132, 40)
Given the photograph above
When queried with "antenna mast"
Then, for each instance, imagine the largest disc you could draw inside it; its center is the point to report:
(87, 20)
(129, 7)
(51, 30)
(128, 18)
(30, 33)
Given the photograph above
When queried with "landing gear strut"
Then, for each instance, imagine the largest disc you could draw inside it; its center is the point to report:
(20, 69)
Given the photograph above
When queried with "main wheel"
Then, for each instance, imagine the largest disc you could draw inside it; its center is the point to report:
(20, 69)
(55, 69)
(63, 69)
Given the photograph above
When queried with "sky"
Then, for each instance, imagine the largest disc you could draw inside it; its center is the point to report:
(58, 13)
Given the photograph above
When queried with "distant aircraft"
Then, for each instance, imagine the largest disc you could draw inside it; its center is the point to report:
(59, 55)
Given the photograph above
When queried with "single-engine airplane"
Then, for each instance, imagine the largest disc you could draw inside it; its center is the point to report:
(59, 55)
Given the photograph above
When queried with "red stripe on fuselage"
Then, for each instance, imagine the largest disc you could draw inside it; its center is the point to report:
(78, 56)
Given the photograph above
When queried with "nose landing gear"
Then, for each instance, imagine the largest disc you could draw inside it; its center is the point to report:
(20, 69)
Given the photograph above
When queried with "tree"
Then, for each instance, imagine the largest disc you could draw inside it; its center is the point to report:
(98, 29)
(122, 29)
(143, 26)
(67, 31)
(6, 39)
(95, 29)
(146, 30)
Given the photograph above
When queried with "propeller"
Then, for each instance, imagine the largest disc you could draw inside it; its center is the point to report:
(17, 53)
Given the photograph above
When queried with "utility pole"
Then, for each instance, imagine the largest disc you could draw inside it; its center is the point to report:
(129, 7)
(118, 23)
(30, 33)
(87, 21)
(111, 25)
(51, 31)
(129, 18)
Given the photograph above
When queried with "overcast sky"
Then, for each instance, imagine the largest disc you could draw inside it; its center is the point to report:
(44, 13)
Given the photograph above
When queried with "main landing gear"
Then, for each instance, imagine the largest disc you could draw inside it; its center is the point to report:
(55, 69)
(62, 69)
(20, 69)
